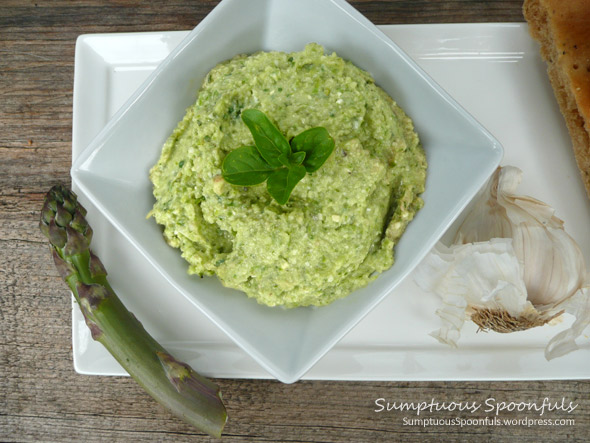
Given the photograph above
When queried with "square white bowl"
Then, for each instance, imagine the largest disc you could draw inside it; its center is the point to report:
(112, 172)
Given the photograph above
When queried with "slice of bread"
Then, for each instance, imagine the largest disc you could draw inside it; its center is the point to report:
(562, 27)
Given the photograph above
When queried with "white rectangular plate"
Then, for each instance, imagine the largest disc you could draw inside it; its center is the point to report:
(495, 72)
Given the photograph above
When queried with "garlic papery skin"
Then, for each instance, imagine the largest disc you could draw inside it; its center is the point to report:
(510, 267)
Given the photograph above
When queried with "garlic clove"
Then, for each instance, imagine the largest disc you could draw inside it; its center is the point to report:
(511, 267)
(555, 266)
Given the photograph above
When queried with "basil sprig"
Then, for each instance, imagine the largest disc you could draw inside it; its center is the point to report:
(274, 159)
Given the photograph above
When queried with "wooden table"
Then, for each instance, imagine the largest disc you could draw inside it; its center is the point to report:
(43, 399)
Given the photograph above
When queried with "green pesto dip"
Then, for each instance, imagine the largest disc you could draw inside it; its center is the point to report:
(340, 225)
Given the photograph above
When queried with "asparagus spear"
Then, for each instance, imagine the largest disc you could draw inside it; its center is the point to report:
(172, 383)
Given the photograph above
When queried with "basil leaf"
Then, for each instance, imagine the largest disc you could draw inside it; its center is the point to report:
(274, 159)
(317, 145)
(297, 158)
(271, 144)
(245, 167)
(281, 182)
(284, 159)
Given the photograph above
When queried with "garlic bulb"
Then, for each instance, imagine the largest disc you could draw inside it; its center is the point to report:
(511, 267)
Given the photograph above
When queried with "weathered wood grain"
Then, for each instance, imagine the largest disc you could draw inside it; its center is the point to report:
(42, 398)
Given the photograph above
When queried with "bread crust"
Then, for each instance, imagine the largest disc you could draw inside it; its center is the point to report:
(562, 27)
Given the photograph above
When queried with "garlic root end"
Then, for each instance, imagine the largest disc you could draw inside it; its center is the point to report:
(501, 321)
